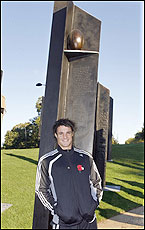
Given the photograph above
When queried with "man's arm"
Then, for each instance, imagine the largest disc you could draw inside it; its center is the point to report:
(95, 183)
(43, 183)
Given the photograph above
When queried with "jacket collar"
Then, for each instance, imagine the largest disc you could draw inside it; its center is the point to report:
(69, 151)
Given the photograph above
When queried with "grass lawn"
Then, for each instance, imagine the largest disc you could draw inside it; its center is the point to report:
(18, 184)
(18, 187)
(127, 171)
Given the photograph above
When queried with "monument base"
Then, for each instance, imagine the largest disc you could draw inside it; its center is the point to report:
(111, 188)
(5, 206)
(109, 160)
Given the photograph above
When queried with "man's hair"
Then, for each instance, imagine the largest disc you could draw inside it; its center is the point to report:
(65, 122)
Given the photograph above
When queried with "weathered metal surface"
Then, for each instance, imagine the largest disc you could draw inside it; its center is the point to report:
(109, 150)
(42, 217)
(101, 133)
(81, 100)
(78, 86)
(53, 79)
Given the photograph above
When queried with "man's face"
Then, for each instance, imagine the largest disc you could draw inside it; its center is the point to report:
(64, 137)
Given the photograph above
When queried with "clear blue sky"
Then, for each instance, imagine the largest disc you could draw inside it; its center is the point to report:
(26, 29)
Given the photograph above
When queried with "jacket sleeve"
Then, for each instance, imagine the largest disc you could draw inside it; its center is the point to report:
(43, 186)
(95, 183)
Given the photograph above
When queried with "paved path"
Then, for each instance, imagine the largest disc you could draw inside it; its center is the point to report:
(133, 219)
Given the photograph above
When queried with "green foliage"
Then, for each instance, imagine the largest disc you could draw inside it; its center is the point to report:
(130, 140)
(10, 138)
(23, 135)
(34, 132)
(138, 138)
(39, 105)
(133, 141)
(114, 141)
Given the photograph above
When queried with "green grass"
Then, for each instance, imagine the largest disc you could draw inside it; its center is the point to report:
(126, 171)
(18, 187)
(18, 184)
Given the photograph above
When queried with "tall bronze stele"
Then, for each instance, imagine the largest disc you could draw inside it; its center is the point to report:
(71, 83)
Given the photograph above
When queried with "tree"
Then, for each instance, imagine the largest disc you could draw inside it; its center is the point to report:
(10, 138)
(25, 135)
(130, 141)
(39, 105)
(17, 137)
(114, 141)
(34, 132)
(138, 137)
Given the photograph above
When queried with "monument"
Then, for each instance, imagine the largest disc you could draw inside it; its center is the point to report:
(71, 85)
(3, 102)
(72, 74)
(109, 150)
(101, 130)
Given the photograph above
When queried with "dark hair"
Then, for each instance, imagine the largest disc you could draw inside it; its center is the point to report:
(65, 122)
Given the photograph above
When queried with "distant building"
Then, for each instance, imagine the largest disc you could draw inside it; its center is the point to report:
(3, 103)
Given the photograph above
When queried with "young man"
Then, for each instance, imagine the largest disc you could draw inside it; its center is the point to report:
(68, 182)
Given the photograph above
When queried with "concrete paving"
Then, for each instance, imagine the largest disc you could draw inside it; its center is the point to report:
(5, 206)
(133, 219)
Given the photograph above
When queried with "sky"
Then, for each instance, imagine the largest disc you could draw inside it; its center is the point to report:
(25, 39)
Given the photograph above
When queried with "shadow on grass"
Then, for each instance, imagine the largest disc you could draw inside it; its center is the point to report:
(139, 164)
(116, 200)
(133, 183)
(22, 158)
(127, 165)
(107, 213)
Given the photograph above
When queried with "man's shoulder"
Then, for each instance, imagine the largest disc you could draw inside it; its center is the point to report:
(48, 155)
(84, 152)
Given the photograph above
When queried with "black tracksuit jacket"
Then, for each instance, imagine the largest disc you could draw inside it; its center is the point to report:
(69, 185)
